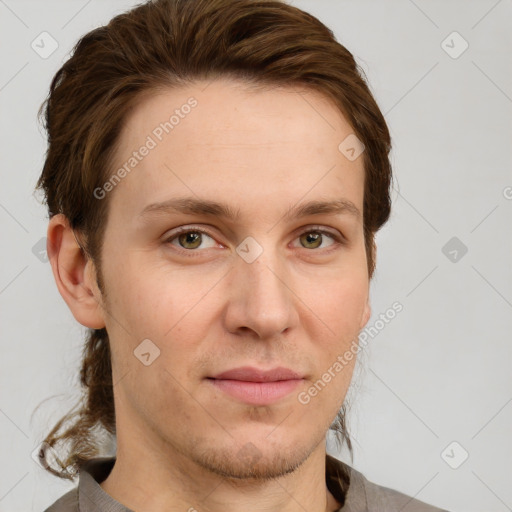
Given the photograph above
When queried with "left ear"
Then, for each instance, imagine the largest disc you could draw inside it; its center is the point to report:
(366, 314)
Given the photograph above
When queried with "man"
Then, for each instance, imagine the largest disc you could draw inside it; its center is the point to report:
(216, 173)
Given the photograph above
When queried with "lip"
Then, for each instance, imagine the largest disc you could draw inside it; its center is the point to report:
(255, 386)
(251, 374)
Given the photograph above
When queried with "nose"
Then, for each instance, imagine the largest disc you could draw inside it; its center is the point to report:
(260, 297)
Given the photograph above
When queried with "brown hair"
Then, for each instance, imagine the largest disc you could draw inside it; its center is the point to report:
(170, 43)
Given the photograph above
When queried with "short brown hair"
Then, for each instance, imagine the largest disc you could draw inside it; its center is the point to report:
(172, 43)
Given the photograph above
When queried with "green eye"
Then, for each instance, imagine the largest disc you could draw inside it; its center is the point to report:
(313, 239)
(190, 240)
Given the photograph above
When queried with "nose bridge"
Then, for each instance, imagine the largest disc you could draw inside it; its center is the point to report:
(263, 293)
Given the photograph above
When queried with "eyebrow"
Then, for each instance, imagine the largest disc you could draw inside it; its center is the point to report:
(193, 206)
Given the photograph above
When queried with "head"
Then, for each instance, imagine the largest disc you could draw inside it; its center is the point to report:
(234, 106)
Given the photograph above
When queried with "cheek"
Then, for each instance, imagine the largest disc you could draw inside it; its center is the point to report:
(157, 393)
(153, 299)
(337, 305)
(173, 309)
(339, 302)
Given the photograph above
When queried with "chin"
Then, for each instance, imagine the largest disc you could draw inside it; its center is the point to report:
(252, 463)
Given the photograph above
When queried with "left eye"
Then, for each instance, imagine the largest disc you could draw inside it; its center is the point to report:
(314, 239)
(193, 239)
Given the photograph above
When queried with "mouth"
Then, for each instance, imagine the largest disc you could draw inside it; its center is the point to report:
(257, 387)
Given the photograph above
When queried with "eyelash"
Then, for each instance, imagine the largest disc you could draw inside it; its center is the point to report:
(337, 239)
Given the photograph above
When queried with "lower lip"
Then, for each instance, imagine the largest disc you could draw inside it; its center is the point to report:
(256, 393)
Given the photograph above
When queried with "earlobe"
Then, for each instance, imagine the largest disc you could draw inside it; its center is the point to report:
(74, 274)
(366, 314)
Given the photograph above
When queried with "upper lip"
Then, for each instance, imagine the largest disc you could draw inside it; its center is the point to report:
(251, 374)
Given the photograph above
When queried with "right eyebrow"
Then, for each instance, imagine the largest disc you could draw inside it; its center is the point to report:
(192, 206)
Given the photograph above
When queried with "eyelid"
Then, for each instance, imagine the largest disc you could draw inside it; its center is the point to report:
(185, 229)
(335, 235)
(189, 228)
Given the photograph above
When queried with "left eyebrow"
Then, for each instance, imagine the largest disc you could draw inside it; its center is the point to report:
(336, 207)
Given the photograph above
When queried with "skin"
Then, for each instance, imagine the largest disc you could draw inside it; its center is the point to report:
(298, 305)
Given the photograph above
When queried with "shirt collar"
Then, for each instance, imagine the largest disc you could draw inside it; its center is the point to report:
(91, 497)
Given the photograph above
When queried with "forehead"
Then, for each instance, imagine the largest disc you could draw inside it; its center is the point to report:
(223, 138)
(237, 106)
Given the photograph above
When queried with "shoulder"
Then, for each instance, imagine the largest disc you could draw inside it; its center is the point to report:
(380, 498)
(66, 503)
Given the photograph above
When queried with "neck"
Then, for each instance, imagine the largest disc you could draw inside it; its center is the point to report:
(175, 483)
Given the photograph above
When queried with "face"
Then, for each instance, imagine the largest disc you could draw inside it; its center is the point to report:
(250, 281)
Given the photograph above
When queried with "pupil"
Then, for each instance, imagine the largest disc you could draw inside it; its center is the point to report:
(312, 237)
(190, 238)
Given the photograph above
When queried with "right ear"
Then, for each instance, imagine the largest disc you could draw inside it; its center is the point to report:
(74, 273)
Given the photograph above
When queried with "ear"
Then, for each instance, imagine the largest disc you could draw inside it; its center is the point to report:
(367, 313)
(74, 273)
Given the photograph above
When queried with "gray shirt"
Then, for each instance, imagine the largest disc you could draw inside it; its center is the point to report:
(362, 495)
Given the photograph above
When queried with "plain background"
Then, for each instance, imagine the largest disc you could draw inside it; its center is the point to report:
(439, 372)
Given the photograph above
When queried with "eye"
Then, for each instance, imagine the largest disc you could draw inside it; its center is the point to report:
(190, 239)
(314, 238)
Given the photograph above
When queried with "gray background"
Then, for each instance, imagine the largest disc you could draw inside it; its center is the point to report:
(440, 371)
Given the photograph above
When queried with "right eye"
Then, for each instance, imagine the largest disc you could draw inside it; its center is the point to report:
(188, 239)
